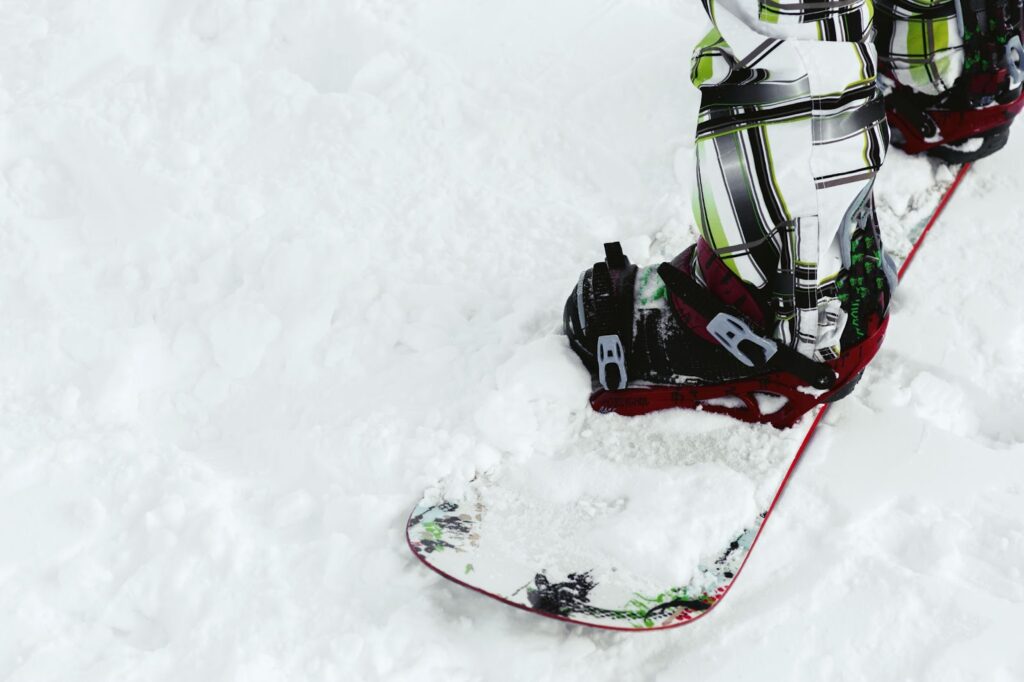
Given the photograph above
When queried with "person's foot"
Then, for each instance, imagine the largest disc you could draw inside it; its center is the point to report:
(949, 128)
(654, 338)
(972, 119)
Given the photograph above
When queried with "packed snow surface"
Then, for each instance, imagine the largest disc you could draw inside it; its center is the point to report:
(639, 504)
(271, 268)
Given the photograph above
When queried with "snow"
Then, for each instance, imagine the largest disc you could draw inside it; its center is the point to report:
(639, 503)
(269, 269)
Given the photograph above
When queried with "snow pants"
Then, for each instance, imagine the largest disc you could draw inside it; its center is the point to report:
(790, 136)
(920, 45)
(792, 131)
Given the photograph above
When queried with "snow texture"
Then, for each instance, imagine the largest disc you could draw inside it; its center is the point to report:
(638, 503)
(270, 268)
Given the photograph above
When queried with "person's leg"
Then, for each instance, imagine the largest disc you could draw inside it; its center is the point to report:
(790, 135)
(919, 44)
(951, 73)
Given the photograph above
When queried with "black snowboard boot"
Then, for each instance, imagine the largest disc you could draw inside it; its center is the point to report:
(972, 119)
(655, 338)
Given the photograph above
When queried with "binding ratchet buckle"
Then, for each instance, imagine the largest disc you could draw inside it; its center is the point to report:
(730, 331)
(1015, 59)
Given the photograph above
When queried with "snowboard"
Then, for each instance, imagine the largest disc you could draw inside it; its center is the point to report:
(578, 538)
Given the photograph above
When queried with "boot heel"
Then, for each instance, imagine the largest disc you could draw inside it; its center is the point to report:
(846, 389)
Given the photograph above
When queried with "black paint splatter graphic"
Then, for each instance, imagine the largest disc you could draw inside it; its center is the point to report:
(573, 597)
(442, 527)
(428, 546)
(562, 599)
(692, 604)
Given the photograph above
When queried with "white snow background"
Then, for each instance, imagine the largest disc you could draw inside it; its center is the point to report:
(270, 268)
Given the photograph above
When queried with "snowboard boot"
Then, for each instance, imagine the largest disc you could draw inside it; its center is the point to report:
(972, 119)
(654, 338)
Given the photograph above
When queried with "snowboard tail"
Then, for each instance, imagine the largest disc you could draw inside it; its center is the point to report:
(446, 537)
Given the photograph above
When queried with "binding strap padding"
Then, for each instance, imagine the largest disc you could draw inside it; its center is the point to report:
(721, 282)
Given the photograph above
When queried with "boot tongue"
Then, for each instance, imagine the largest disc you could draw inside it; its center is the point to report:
(721, 282)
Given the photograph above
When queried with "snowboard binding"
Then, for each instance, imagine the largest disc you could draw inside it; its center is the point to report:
(655, 338)
(972, 119)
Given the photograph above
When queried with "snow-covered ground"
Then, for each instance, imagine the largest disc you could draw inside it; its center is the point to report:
(270, 268)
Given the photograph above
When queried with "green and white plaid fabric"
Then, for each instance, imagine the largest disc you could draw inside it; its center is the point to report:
(836, 20)
(919, 43)
(790, 135)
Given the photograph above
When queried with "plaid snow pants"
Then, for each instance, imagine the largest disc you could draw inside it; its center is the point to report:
(791, 134)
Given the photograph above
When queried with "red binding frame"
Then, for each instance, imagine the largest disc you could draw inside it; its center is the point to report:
(800, 399)
(955, 126)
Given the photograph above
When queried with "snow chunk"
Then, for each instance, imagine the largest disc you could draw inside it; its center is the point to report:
(240, 334)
